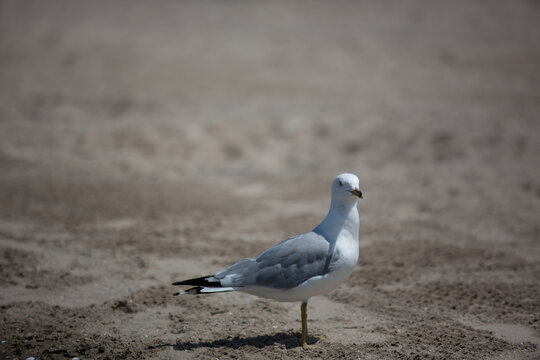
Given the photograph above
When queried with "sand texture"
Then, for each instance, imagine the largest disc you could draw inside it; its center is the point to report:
(145, 142)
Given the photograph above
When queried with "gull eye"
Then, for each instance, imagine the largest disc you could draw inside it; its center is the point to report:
(340, 183)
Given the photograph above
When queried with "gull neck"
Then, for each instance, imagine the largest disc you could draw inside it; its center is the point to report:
(342, 218)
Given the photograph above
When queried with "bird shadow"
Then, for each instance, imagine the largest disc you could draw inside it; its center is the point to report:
(288, 339)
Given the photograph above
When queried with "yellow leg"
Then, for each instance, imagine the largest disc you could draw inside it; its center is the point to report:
(303, 309)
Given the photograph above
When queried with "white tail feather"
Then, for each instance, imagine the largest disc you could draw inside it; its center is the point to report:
(213, 290)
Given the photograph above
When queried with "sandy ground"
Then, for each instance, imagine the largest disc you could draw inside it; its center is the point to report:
(147, 142)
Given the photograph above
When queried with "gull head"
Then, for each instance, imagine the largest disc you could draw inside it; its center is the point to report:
(345, 188)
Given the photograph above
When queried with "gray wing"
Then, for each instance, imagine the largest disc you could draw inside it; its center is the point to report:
(284, 265)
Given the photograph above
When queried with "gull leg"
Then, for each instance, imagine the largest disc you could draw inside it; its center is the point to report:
(303, 309)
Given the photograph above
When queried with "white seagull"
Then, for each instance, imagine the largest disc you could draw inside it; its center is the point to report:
(301, 266)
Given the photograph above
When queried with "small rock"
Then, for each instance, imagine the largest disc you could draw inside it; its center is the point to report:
(30, 358)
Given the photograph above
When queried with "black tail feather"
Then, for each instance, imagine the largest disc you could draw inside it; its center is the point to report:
(200, 282)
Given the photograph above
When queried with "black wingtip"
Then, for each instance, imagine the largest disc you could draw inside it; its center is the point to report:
(201, 281)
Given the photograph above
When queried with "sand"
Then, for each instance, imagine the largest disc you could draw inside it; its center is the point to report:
(142, 143)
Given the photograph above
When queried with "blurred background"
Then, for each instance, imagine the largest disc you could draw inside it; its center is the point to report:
(255, 89)
(135, 135)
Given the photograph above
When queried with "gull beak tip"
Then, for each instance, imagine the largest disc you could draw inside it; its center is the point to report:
(358, 193)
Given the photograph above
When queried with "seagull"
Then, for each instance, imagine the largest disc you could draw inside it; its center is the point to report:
(301, 266)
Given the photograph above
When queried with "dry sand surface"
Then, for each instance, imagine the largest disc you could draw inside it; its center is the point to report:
(147, 142)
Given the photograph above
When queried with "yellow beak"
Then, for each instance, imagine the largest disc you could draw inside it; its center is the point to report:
(357, 192)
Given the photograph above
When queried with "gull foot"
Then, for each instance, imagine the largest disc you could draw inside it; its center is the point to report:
(307, 346)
